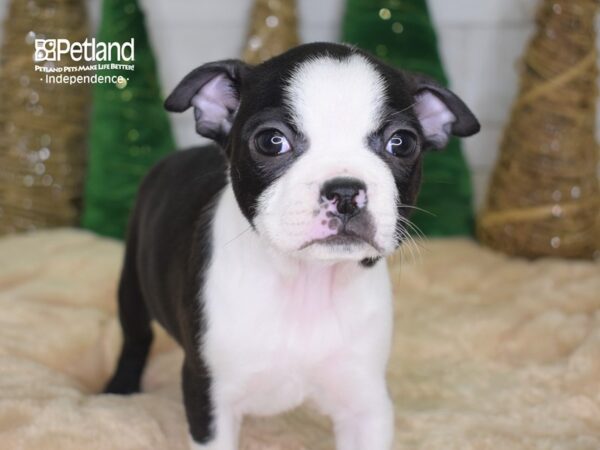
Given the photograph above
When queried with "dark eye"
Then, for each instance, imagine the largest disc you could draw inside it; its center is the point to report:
(402, 143)
(272, 143)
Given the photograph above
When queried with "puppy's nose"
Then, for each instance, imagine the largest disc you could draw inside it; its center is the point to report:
(349, 195)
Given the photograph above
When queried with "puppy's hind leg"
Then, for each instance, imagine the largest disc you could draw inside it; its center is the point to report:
(213, 425)
(137, 333)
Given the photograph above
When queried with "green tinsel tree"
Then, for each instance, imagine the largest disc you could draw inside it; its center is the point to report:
(130, 130)
(401, 32)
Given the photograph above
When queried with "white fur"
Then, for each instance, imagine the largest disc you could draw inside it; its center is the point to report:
(336, 104)
(281, 330)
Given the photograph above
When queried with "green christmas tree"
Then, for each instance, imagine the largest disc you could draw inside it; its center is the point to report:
(130, 130)
(401, 32)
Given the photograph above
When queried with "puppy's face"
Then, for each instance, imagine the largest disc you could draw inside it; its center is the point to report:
(325, 145)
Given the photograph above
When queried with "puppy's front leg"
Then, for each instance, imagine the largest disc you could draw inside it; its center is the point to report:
(369, 423)
(212, 424)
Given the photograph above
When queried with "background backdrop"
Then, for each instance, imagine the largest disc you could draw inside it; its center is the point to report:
(515, 362)
(481, 42)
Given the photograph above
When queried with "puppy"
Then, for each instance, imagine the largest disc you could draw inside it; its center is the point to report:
(261, 256)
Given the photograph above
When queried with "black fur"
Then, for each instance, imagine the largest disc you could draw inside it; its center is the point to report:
(167, 250)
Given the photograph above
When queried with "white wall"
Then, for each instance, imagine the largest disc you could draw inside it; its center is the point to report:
(481, 41)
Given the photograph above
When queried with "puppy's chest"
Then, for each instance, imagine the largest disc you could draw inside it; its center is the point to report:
(294, 320)
(269, 337)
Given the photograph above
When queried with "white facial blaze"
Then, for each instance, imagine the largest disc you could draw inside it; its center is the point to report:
(349, 92)
(336, 105)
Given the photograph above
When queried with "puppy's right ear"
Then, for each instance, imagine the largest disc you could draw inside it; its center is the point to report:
(441, 112)
(214, 91)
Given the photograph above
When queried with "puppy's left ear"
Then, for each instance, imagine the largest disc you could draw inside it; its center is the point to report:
(214, 91)
(441, 112)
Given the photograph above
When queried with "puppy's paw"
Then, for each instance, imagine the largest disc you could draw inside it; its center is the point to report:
(193, 445)
(212, 445)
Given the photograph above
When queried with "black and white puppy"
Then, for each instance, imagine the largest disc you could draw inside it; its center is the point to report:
(260, 257)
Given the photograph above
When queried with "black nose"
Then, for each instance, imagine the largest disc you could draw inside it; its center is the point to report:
(348, 194)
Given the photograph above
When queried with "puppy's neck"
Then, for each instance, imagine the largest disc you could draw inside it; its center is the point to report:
(234, 235)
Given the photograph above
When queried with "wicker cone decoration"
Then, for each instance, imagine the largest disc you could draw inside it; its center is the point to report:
(544, 198)
(42, 125)
(273, 30)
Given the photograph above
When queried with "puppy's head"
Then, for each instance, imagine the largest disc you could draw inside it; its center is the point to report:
(325, 144)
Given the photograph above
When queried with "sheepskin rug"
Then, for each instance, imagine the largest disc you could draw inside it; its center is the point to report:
(489, 353)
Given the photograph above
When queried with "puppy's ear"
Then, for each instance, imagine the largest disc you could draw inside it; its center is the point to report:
(440, 112)
(214, 91)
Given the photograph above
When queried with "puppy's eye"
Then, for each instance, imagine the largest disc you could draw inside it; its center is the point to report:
(272, 143)
(402, 143)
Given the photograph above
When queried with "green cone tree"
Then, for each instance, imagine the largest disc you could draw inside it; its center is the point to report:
(130, 130)
(401, 32)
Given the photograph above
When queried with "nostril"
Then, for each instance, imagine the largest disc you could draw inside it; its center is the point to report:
(331, 196)
(347, 206)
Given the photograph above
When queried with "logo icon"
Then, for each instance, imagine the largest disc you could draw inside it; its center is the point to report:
(45, 50)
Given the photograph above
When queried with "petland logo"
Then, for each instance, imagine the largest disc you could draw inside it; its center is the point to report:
(54, 49)
(90, 58)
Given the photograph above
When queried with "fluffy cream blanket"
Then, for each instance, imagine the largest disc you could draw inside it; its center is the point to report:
(490, 353)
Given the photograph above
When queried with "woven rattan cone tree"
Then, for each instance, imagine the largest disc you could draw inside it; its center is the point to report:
(43, 125)
(273, 29)
(543, 198)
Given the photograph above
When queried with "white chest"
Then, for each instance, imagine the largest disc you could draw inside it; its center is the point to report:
(278, 332)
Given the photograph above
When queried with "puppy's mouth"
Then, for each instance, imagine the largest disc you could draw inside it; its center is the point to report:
(344, 238)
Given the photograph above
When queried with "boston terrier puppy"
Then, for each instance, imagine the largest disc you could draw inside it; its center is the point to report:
(261, 255)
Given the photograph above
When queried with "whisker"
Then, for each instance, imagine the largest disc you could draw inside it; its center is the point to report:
(414, 253)
(417, 209)
(414, 246)
(395, 113)
(401, 255)
(417, 250)
(409, 246)
(413, 249)
(413, 227)
(238, 236)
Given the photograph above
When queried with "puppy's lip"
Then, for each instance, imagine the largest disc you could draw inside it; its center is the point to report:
(344, 238)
